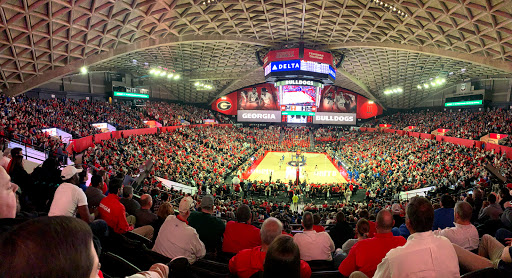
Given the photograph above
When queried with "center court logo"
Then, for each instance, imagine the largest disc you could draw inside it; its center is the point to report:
(224, 105)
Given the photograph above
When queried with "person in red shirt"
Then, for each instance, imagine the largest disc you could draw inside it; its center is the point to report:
(241, 234)
(113, 212)
(373, 226)
(366, 254)
(316, 221)
(250, 261)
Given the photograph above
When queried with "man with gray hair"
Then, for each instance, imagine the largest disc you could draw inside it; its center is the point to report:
(250, 261)
(464, 234)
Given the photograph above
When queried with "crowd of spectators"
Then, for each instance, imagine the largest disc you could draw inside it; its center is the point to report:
(465, 124)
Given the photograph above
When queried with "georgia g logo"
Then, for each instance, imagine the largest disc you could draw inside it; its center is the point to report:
(224, 105)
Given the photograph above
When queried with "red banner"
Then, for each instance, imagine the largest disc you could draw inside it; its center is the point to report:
(367, 109)
(411, 127)
(442, 130)
(497, 136)
(102, 136)
(318, 56)
(226, 104)
(384, 125)
(281, 55)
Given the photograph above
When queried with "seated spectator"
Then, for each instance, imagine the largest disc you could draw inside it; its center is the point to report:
(240, 234)
(366, 254)
(165, 210)
(164, 197)
(443, 217)
(505, 197)
(69, 198)
(313, 245)
(176, 238)
(209, 227)
(68, 251)
(316, 223)
(113, 212)
(464, 234)
(373, 226)
(144, 215)
(128, 202)
(8, 202)
(506, 217)
(397, 210)
(424, 254)
(282, 259)
(6, 158)
(362, 230)
(93, 192)
(490, 212)
(342, 231)
(250, 261)
(491, 253)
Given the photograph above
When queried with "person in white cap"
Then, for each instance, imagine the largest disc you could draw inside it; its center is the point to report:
(69, 198)
(177, 239)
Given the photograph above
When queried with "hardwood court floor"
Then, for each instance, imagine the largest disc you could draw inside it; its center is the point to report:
(325, 173)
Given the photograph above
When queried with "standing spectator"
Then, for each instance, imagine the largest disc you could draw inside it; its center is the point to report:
(128, 202)
(444, 216)
(209, 227)
(424, 254)
(504, 197)
(366, 254)
(144, 215)
(250, 261)
(464, 234)
(313, 245)
(177, 238)
(240, 234)
(93, 193)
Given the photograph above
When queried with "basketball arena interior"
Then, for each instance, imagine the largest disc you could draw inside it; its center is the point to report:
(244, 138)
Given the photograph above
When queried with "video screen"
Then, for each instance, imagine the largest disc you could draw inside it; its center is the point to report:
(297, 119)
(298, 95)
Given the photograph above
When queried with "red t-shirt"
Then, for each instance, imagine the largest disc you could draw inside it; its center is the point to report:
(240, 236)
(366, 254)
(249, 261)
(318, 228)
(373, 229)
(113, 212)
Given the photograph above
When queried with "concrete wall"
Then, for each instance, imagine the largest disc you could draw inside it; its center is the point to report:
(496, 90)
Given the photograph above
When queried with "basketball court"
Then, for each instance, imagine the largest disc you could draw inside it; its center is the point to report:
(316, 168)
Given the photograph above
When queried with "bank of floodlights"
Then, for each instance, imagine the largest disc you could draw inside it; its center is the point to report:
(164, 73)
(432, 83)
(394, 90)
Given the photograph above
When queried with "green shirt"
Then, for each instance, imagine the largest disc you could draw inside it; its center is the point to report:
(210, 229)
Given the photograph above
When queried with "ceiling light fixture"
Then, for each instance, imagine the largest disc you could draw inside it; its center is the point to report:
(389, 8)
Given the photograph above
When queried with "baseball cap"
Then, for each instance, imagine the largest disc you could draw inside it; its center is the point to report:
(186, 204)
(69, 171)
(207, 201)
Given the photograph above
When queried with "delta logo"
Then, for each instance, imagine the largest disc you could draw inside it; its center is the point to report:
(295, 65)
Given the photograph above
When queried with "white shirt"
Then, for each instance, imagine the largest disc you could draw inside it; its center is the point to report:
(314, 246)
(465, 236)
(68, 197)
(424, 255)
(176, 238)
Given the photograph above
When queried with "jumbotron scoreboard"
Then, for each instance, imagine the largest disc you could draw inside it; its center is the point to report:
(300, 75)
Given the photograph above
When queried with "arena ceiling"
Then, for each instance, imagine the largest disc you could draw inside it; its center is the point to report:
(216, 42)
